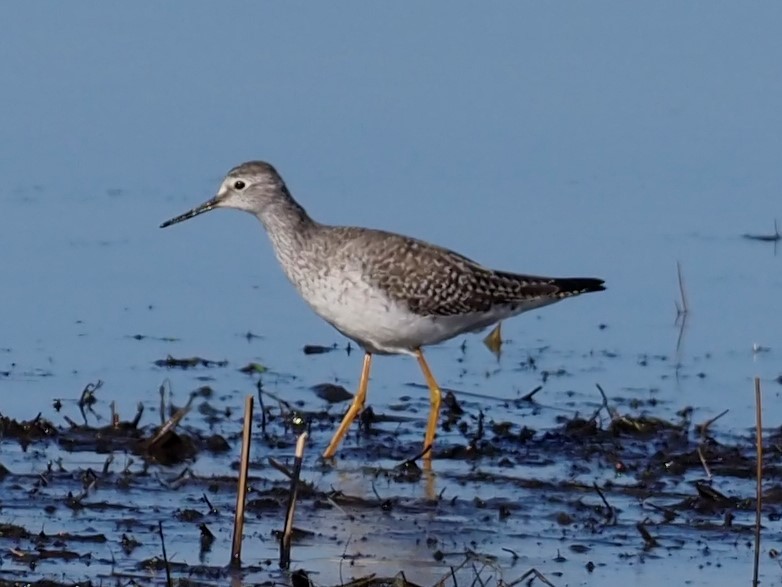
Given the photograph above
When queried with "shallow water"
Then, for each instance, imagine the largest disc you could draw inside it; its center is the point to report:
(501, 497)
(531, 138)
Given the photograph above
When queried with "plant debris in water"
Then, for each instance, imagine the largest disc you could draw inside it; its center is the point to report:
(188, 363)
(609, 487)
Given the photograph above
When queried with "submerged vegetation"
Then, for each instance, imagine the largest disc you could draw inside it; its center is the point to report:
(610, 486)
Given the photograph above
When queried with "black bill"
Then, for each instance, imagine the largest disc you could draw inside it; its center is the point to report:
(205, 207)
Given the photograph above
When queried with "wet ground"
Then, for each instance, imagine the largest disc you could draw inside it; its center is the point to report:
(585, 485)
(615, 142)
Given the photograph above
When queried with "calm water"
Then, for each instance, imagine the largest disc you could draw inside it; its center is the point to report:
(610, 141)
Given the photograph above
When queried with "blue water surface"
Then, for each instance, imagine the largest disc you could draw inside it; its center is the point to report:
(598, 139)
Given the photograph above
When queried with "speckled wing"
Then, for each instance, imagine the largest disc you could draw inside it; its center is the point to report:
(433, 281)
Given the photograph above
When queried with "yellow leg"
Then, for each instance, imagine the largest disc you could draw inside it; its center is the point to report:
(355, 408)
(434, 396)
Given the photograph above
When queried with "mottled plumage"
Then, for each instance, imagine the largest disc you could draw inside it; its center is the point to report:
(389, 293)
(434, 281)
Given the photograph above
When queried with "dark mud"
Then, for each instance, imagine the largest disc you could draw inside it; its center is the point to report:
(601, 493)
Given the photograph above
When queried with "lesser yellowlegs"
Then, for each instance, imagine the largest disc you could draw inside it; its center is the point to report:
(389, 293)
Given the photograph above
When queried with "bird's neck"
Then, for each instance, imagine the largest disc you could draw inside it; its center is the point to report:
(289, 226)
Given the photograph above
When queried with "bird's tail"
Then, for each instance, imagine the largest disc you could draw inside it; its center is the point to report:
(578, 285)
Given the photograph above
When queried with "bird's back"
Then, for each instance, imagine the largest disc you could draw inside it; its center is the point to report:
(434, 281)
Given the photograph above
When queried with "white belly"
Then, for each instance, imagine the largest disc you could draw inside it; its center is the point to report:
(383, 326)
(370, 318)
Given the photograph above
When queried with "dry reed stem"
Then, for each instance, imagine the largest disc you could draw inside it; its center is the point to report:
(704, 463)
(172, 423)
(241, 494)
(287, 532)
(685, 306)
(169, 583)
(758, 477)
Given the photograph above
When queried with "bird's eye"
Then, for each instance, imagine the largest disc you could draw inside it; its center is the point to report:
(239, 184)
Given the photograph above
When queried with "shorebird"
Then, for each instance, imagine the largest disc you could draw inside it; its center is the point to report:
(391, 294)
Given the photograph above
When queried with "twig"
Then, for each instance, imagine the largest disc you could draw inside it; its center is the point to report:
(279, 400)
(681, 319)
(169, 583)
(342, 559)
(611, 511)
(287, 532)
(107, 464)
(681, 316)
(477, 573)
(668, 513)
(535, 573)
(649, 540)
(513, 553)
(453, 571)
(337, 507)
(241, 494)
(87, 399)
(765, 237)
(162, 391)
(75, 502)
(170, 425)
(704, 428)
(528, 397)
(137, 417)
(281, 468)
(478, 433)
(758, 476)
(421, 454)
(263, 408)
(377, 495)
(212, 509)
(613, 414)
(685, 307)
(704, 463)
